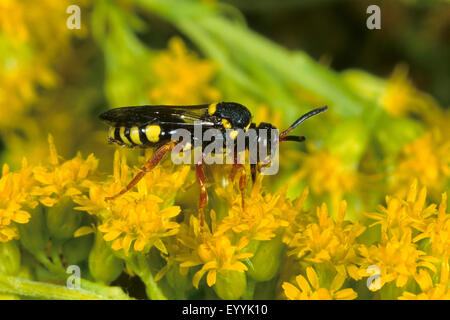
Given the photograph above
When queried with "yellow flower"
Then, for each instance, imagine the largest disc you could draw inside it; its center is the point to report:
(20, 74)
(27, 55)
(330, 241)
(401, 98)
(431, 291)
(95, 202)
(12, 19)
(215, 252)
(262, 217)
(399, 215)
(174, 247)
(15, 200)
(162, 182)
(141, 223)
(313, 290)
(438, 230)
(427, 159)
(297, 217)
(398, 259)
(136, 215)
(66, 179)
(182, 77)
(400, 95)
(437, 119)
(326, 174)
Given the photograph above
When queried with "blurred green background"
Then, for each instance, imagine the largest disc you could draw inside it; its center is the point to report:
(384, 88)
(387, 90)
(64, 78)
(413, 32)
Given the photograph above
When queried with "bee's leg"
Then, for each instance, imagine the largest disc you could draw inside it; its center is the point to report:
(203, 200)
(149, 165)
(242, 184)
(253, 172)
(242, 180)
(233, 172)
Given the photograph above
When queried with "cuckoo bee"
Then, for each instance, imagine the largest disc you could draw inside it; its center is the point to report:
(154, 127)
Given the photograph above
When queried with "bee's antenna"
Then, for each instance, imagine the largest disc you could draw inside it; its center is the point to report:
(283, 135)
(294, 138)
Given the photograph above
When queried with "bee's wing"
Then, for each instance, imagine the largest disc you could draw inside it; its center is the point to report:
(141, 115)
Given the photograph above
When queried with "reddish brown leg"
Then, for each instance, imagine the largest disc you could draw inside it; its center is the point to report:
(203, 200)
(233, 172)
(242, 184)
(253, 171)
(242, 180)
(149, 165)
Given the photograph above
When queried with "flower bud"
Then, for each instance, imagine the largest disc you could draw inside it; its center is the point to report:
(9, 258)
(62, 220)
(230, 285)
(266, 261)
(34, 234)
(77, 250)
(104, 266)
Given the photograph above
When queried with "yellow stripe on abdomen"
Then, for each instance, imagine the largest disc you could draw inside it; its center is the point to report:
(111, 132)
(134, 135)
(152, 132)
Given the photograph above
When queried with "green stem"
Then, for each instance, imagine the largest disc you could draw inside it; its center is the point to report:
(140, 266)
(250, 291)
(98, 289)
(115, 293)
(390, 291)
(56, 244)
(40, 290)
(42, 258)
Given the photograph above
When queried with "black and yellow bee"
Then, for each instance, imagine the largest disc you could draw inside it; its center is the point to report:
(154, 127)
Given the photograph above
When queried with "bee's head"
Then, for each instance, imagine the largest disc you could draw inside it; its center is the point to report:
(265, 132)
(266, 139)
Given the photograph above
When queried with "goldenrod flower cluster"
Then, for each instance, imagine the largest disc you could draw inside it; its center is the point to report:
(360, 212)
(324, 252)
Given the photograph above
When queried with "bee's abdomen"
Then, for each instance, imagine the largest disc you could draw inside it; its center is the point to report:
(142, 136)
